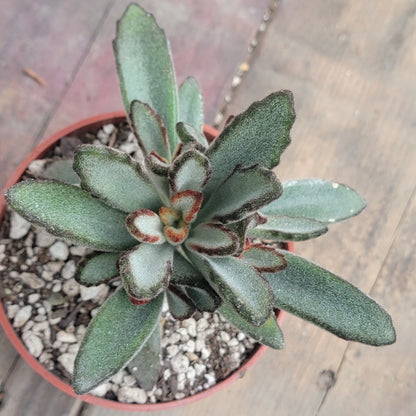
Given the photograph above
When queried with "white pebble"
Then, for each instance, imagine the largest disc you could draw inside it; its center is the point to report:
(101, 390)
(128, 394)
(190, 325)
(199, 369)
(59, 250)
(22, 316)
(180, 363)
(71, 287)
(33, 343)
(68, 271)
(66, 337)
(189, 346)
(32, 280)
(205, 353)
(67, 360)
(12, 311)
(225, 336)
(129, 380)
(33, 297)
(172, 350)
(95, 293)
(210, 377)
(44, 239)
(202, 325)
(19, 227)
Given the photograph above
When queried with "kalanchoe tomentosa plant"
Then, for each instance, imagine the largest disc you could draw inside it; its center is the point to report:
(177, 223)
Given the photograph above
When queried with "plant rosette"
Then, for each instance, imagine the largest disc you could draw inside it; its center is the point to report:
(179, 221)
(37, 344)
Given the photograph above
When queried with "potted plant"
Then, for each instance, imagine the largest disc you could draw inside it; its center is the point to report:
(186, 221)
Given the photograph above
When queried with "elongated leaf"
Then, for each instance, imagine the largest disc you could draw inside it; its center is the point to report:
(62, 171)
(238, 284)
(319, 296)
(243, 193)
(213, 240)
(268, 334)
(143, 277)
(115, 178)
(190, 170)
(144, 66)
(180, 306)
(189, 134)
(191, 104)
(259, 135)
(318, 199)
(205, 300)
(145, 366)
(149, 129)
(69, 212)
(264, 258)
(113, 338)
(98, 269)
(285, 228)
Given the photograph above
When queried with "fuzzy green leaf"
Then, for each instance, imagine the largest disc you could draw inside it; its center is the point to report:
(101, 353)
(146, 270)
(189, 134)
(144, 66)
(191, 104)
(145, 366)
(213, 240)
(238, 284)
(264, 258)
(318, 199)
(319, 296)
(97, 269)
(205, 300)
(259, 135)
(285, 228)
(146, 226)
(268, 334)
(244, 192)
(69, 212)
(179, 305)
(115, 178)
(62, 171)
(149, 129)
(190, 170)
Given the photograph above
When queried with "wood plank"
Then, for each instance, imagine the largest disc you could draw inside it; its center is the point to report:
(49, 38)
(353, 91)
(208, 41)
(27, 393)
(383, 382)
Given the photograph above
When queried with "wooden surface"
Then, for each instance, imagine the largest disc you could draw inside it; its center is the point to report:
(351, 68)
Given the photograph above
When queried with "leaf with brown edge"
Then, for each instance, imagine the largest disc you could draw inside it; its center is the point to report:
(264, 258)
(115, 178)
(176, 235)
(188, 203)
(180, 306)
(143, 276)
(286, 228)
(156, 164)
(212, 240)
(189, 134)
(145, 226)
(190, 170)
(259, 135)
(237, 283)
(244, 192)
(242, 228)
(149, 130)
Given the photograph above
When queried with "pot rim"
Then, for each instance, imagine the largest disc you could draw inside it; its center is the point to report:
(38, 152)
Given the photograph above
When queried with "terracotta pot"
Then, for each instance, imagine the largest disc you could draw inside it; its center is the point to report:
(89, 124)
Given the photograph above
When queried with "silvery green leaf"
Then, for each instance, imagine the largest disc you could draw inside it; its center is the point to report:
(156, 164)
(97, 269)
(101, 353)
(238, 284)
(69, 212)
(285, 228)
(212, 240)
(143, 276)
(318, 199)
(257, 136)
(144, 66)
(191, 104)
(264, 258)
(244, 192)
(319, 296)
(190, 170)
(62, 171)
(180, 306)
(115, 178)
(205, 300)
(189, 134)
(149, 129)
(188, 203)
(268, 334)
(145, 366)
(145, 226)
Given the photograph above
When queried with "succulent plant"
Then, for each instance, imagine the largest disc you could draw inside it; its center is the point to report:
(179, 223)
